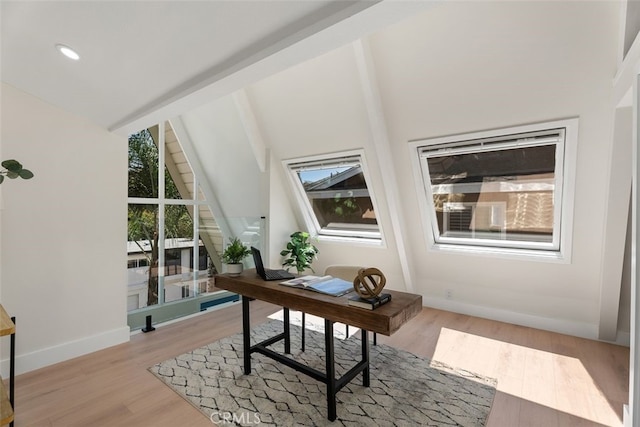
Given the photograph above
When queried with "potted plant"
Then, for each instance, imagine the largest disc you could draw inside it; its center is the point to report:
(233, 255)
(299, 253)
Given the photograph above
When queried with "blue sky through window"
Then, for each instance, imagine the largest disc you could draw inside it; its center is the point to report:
(319, 174)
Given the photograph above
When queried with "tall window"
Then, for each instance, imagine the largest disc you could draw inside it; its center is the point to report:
(334, 196)
(167, 260)
(499, 189)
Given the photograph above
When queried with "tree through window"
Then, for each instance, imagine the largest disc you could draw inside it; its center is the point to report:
(158, 261)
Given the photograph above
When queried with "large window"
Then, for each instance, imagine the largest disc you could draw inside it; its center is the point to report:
(500, 190)
(167, 256)
(335, 197)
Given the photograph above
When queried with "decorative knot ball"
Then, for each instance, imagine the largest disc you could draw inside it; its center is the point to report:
(369, 282)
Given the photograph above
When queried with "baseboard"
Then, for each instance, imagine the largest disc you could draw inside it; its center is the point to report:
(562, 326)
(65, 351)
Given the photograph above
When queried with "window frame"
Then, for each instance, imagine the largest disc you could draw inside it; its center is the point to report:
(161, 202)
(354, 235)
(564, 178)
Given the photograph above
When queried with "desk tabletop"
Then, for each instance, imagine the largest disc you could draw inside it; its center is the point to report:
(384, 320)
(6, 324)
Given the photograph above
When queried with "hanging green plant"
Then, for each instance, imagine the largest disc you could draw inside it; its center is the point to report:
(13, 169)
(299, 253)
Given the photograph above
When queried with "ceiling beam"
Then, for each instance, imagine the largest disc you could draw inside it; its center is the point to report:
(273, 55)
(378, 127)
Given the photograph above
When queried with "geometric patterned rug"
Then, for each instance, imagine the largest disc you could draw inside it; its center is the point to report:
(405, 389)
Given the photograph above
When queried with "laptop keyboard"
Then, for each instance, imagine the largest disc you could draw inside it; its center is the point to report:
(277, 274)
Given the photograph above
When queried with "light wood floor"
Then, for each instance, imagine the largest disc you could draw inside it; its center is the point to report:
(544, 379)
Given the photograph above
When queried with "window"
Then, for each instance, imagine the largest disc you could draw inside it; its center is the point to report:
(165, 262)
(334, 196)
(502, 190)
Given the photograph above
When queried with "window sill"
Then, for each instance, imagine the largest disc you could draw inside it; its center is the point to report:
(350, 240)
(505, 253)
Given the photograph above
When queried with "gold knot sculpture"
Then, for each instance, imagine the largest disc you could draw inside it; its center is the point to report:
(369, 282)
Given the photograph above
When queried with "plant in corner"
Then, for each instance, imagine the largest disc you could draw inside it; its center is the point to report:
(13, 169)
(300, 252)
(233, 255)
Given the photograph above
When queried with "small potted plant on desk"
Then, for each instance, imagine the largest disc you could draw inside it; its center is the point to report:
(300, 252)
(233, 255)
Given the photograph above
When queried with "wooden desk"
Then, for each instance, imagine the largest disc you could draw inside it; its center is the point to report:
(383, 320)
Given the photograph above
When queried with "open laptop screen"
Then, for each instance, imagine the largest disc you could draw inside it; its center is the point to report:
(268, 274)
(257, 260)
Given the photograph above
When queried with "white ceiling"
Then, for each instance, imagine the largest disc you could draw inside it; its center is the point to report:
(143, 61)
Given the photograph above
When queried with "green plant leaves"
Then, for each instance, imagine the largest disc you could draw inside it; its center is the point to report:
(25, 174)
(12, 165)
(13, 169)
(235, 252)
(300, 252)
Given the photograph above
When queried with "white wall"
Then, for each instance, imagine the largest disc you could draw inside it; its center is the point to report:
(314, 108)
(63, 232)
(281, 219)
(615, 287)
(476, 66)
(219, 139)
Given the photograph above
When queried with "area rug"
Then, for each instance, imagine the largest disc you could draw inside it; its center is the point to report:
(405, 390)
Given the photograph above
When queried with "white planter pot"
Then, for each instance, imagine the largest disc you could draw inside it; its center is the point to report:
(234, 269)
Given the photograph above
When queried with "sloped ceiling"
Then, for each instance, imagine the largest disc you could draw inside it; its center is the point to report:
(144, 58)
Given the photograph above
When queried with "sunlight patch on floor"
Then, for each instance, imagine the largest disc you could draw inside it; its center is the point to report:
(546, 378)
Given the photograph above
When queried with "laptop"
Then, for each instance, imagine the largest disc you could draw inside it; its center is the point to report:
(268, 274)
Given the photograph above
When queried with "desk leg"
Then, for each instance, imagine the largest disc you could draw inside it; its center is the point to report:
(12, 370)
(303, 330)
(331, 370)
(365, 356)
(287, 331)
(246, 335)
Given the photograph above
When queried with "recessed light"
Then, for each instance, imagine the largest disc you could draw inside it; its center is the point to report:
(68, 52)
